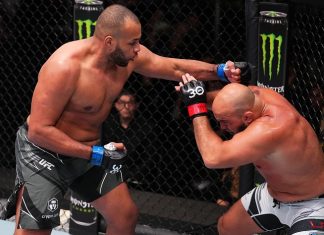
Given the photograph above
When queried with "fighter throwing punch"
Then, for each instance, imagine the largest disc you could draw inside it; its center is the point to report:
(58, 146)
(282, 145)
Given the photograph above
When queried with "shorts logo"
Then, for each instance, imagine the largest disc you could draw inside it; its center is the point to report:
(115, 169)
(52, 204)
(317, 224)
(46, 164)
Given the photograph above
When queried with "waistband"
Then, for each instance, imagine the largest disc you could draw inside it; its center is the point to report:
(277, 202)
(25, 125)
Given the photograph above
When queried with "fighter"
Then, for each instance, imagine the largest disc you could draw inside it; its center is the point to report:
(59, 145)
(271, 134)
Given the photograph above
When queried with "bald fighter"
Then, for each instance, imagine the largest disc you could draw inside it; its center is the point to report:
(58, 147)
(271, 134)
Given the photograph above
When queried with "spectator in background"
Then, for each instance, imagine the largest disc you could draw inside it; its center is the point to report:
(307, 98)
(230, 180)
(315, 108)
(128, 126)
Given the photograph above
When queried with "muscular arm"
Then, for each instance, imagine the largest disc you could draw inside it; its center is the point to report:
(153, 65)
(56, 84)
(245, 147)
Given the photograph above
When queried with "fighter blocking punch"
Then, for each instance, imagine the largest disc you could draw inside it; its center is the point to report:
(269, 133)
(194, 92)
(194, 97)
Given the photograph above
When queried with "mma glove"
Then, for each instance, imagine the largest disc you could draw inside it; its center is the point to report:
(108, 157)
(243, 66)
(194, 96)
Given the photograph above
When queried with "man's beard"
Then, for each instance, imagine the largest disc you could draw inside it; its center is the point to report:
(119, 58)
(229, 134)
(241, 128)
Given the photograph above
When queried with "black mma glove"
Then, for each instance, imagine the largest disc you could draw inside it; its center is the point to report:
(194, 97)
(245, 71)
(243, 66)
(108, 157)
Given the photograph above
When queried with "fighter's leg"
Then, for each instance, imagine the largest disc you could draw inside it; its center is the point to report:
(39, 188)
(308, 217)
(237, 221)
(118, 210)
(19, 231)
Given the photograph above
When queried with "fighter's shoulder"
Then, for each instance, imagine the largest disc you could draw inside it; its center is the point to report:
(63, 60)
(144, 49)
(145, 53)
(272, 126)
(67, 53)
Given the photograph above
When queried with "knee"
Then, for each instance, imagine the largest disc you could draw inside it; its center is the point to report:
(222, 228)
(126, 215)
(131, 213)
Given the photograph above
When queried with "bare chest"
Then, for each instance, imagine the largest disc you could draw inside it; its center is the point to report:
(96, 91)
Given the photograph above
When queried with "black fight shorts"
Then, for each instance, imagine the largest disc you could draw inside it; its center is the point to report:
(46, 176)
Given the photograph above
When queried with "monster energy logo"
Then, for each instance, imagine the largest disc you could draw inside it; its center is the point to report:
(88, 26)
(88, 1)
(273, 14)
(272, 39)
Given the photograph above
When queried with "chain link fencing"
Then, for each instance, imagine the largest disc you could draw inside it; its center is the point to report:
(168, 180)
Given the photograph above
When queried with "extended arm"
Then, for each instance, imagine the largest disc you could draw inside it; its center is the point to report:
(153, 65)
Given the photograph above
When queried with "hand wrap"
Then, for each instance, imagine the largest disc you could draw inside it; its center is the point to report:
(243, 66)
(221, 72)
(108, 157)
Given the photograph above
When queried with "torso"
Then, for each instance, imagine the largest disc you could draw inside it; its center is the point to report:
(91, 103)
(294, 167)
(94, 94)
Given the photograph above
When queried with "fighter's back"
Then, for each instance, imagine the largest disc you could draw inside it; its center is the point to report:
(296, 164)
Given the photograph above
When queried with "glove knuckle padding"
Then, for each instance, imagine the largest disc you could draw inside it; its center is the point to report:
(114, 154)
(194, 97)
(245, 68)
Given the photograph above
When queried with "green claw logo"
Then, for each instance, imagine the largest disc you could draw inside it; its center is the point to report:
(274, 41)
(88, 27)
(88, 1)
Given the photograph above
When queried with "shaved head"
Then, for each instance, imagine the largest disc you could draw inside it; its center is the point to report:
(234, 98)
(112, 19)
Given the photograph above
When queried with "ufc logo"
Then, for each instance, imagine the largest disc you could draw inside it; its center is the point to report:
(199, 90)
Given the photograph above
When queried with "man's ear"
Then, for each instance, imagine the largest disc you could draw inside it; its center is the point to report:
(247, 117)
(109, 42)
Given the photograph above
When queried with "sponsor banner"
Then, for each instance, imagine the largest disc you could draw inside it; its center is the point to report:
(272, 50)
(85, 18)
(83, 219)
